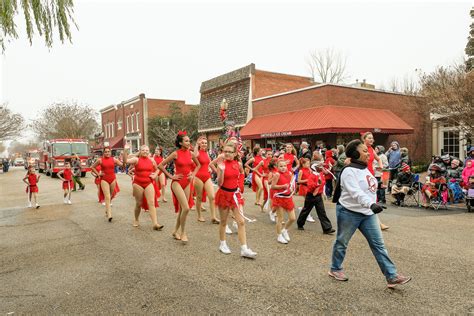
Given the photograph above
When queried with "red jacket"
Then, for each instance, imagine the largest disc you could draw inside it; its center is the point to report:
(316, 181)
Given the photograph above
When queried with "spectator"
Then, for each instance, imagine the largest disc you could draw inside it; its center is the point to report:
(403, 183)
(468, 171)
(470, 154)
(404, 157)
(341, 157)
(76, 172)
(394, 157)
(305, 152)
(380, 152)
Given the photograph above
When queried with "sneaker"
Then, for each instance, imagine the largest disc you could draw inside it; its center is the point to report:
(272, 216)
(310, 219)
(300, 228)
(328, 232)
(69, 202)
(65, 201)
(282, 239)
(285, 234)
(103, 203)
(338, 275)
(398, 280)
(37, 205)
(225, 249)
(248, 253)
(29, 204)
(228, 231)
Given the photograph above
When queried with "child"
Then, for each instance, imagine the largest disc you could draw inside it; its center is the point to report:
(66, 176)
(433, 184)
(31, 180)
(282, 199)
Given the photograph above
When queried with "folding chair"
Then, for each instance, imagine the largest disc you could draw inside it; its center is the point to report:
(413, 197)
(441, 200)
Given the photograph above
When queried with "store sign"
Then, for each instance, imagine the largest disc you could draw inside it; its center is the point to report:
(377, 130)
(277, 134)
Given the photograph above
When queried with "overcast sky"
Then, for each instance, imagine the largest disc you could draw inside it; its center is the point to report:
(166, 49)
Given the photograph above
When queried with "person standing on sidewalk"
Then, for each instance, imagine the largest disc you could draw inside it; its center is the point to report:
(76, 172)
(356, 207)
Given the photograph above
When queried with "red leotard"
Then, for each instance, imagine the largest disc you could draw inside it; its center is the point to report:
(107, 166)
(97, 179)
(32, 180)
(370, 162)
(228, 194)
(266, 171)
(256, 161)
(285, 203)
(305, 173)
(158, 160)
(290, 158)
(108, 169)
(143, 169)
(67, 184)
(203, 173)
(183, 165)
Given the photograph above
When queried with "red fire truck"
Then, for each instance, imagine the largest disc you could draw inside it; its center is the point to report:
(56, 151)
(31, 158)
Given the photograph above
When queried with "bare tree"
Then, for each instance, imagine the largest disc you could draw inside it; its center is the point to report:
(407, 85)
(449, 94)
(66, 120)
(327, 65)
(11, 124)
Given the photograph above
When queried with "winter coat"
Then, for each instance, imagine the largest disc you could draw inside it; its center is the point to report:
(394, 157)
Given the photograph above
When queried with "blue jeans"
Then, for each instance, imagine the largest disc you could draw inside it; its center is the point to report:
(347, 223)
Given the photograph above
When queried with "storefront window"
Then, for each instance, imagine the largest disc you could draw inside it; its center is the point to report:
(451, 143)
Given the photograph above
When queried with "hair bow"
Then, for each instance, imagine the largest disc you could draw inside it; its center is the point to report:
(182, 133)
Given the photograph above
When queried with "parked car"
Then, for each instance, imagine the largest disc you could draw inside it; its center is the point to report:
(19, 162)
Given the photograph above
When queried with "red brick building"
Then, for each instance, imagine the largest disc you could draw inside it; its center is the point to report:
(127, 120)
(239, 88)
(334, 114)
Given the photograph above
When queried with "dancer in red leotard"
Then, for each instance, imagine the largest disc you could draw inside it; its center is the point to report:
(182, 181)
(108, 182)
(202, 181)
(97, 182)
(145, 188)
(282, 199)
(266, 171)
(257, 172)
(31, 179)
(290, 157)
(66, 176)
(228, 198)
(303, 176)
(161, 180)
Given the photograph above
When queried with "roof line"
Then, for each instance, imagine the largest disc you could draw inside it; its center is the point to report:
(284, 74)
(326, 84)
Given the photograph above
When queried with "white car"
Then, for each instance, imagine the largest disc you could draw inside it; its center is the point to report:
(19, 162)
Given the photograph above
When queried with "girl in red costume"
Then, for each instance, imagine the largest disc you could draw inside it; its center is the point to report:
(145, 188)
(272, 169)
(266, 186)
(66, 176)
(161, 180)
(303, 176)
(368, 139)
(257, 173)
(108, 182)
(290, 156)
(202, 181)
(228, 198)
(31, 180)
(182, 181)
(97, 182)
(282, 199)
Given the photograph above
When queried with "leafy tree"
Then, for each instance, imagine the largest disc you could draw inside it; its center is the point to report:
(45, 15)
(470, 46)
(66, 120)
(163, 130)
(11, 124)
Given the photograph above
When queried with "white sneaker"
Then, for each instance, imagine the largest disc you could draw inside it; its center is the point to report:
(65, 201)
(284, 232)
(235, 226)
(282, 239)
(310, 219)
(69, 202)
(225, 249)
(29, 204)
(228, 231)
(248, 253)
(272, 216)
(103, 203)
(37, 205)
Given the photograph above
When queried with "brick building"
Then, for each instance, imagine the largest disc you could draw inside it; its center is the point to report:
(127, 120)
(239, 88)
(335, 114)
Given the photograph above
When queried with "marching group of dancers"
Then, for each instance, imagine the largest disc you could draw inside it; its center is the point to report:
(274, 183)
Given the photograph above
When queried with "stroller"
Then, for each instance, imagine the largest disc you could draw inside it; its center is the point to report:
(470, 194)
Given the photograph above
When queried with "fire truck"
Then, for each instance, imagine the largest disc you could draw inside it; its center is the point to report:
(56, 152)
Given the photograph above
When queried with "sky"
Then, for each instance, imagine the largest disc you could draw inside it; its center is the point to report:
(166, 49)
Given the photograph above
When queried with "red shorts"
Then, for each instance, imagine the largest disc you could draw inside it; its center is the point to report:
(286, 203)
(32, 189)
(225, 199)
(66, 186)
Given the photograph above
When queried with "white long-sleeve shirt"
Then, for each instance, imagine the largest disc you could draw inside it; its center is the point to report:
(358, 190)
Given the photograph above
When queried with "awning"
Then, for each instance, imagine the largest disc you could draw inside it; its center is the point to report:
(115, 143)
(324, 120)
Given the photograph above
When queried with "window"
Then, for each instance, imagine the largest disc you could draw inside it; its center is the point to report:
(136, 116)
(113, 128)
(105, 131)
(451, 143)
(128, 124)
(119, 124)
(132, 121)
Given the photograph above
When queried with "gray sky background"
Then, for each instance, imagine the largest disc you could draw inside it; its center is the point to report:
(166, 49)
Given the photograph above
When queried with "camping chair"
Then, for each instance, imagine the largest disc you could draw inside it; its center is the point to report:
(413, 197)
(442, 198)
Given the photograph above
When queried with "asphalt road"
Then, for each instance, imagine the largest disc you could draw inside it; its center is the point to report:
(67, 259)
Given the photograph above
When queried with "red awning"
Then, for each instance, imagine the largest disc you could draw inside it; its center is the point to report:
(114, 143)
(324, 120)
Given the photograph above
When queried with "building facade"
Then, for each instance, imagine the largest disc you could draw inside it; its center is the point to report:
(126, 122)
